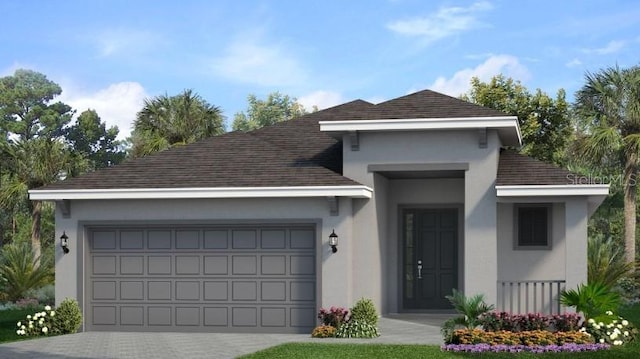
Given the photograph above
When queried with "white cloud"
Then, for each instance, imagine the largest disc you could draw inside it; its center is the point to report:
(459, 83)
(116, 105)
(573, 63)
(447, 21)
(124, 41)
(612, 47)
(270, 65)
(322, 99)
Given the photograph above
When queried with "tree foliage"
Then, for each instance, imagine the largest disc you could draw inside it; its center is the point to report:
(276, 108)
(91, 140)
(166, 121)
(544, 121)
(608, 140)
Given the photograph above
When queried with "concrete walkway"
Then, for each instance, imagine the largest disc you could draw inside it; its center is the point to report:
(200, 345)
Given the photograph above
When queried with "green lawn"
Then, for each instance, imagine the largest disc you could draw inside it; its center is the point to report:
(8, 321)
(320, 350)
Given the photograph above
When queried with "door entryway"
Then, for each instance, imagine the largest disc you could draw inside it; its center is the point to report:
(430, 252)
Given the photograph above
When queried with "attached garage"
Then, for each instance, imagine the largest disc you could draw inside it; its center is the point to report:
(240, 278)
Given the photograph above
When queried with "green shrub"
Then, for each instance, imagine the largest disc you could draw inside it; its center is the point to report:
(365, 311)
(605, 263)
(21, 272)
(356, 329)
(324, 331)
(591, 299)
(470, 310)
(68, 317)
(46, 295)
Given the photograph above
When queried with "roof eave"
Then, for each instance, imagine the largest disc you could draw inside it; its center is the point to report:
(595, 193)
(507, 126)
(354, 191)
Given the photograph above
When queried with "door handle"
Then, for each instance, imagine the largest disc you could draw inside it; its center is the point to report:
(419, 269)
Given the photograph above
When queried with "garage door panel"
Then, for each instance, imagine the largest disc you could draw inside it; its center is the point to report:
(244, 239)
(273, 317)
(273, 239)
(187, 290)
(159, 316)
(104, 265)
(132, 315)
(244, 265)
(244, 316)
(273, 265)
(131, 239)
(159, 290)
(159, 239)
(216, 316)
(187, 239)
(209, 279)
(187, 265)
(131, 290)
(132, 265)
(216, 239)
(216, 265)
(216, 290)
(104, 290)
(159, 264)
(104, 240)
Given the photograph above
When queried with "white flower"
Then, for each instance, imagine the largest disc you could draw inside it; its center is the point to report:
(601, 340)
(30, 322)
(48, 307)
(45, 330)
(609, 325)
(596, 326)
(617, 342)
(53, 312)
(601, 324)
(30, 326)
(619, 326)
(23, 327)
(28, 316)
(625, 323)
(18, 332)
(591, 321)
(608, 312)
(19, 324)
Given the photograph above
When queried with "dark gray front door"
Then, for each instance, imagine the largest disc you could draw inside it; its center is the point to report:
(196, 278)
(430, 257)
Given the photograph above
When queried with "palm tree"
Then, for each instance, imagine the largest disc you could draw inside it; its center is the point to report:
(32, 164)
(166, 121)
(609, 108)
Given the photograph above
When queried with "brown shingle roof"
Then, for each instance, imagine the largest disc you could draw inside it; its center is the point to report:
(290, 153)
(517, 169)
(294, 153)
(422, 104)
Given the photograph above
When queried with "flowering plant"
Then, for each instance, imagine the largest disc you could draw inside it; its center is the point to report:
(483, 348)
(334, 316)
(496, 321)
(41, 323)
(610, 329)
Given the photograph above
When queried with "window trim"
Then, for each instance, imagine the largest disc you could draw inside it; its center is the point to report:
(516, 224)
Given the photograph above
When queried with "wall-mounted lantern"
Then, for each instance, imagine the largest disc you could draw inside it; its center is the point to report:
(64, 242)
(333, 241)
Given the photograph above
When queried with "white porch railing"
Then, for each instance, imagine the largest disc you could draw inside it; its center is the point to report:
(530, 296)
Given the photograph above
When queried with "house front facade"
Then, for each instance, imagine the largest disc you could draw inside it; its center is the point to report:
(232, 234)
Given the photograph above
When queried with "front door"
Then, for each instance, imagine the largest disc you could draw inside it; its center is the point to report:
(430, 266)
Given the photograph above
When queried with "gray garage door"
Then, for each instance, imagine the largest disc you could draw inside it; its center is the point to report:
(209, 279)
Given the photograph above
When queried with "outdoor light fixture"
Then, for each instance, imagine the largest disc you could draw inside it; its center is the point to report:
(64, 242)
(333, 241)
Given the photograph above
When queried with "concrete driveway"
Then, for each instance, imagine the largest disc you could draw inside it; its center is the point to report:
(198, 345)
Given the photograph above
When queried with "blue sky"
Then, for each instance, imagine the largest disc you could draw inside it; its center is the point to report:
(110, 55)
